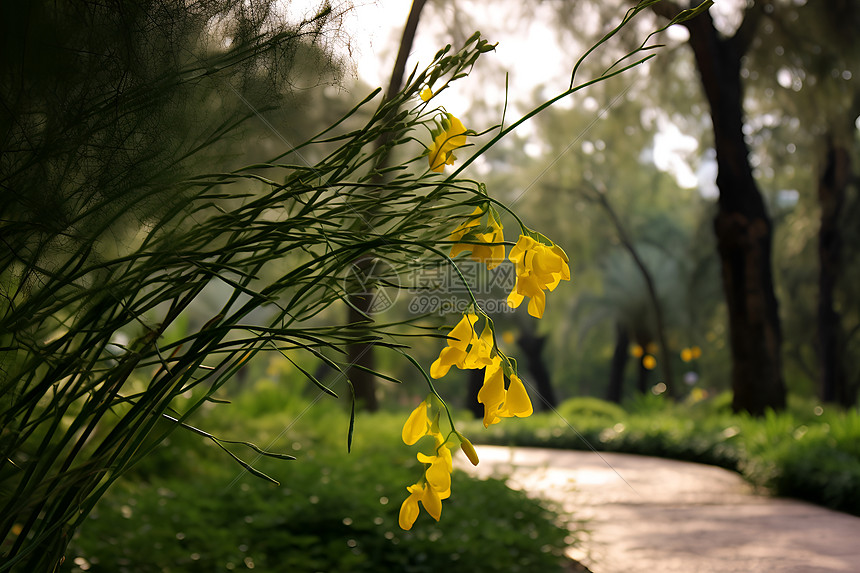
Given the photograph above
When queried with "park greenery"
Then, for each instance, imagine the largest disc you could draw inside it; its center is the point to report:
(122, 216)
(334, 511)
(192, 244)
(184, 509)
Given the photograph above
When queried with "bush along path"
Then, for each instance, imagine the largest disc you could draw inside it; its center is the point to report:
(649, 514)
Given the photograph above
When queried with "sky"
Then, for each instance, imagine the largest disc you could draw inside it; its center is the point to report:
(531, 54)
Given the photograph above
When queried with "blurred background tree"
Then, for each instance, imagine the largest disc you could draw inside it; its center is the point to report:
(796, 81)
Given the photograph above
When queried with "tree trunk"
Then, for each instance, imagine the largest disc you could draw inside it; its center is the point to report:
(832, 184)
(615, 392)
(642, 377)
(742, 225)
(665, 353)
(476, 380)
(362, 355)
(532, 347)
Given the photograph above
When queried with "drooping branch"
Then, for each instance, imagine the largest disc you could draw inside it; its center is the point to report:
(599, 195)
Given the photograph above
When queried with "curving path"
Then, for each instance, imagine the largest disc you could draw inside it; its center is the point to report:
(654, 515)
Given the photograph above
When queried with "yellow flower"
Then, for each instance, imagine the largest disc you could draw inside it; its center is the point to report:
(438, 475)
(490, 254)
(500, 403)
(539, 267)
(637, 351)
(426, 94)
(440, 151)
(428, 497)
(696, 352)
(686, 354)
(464, 350)
(435, 486)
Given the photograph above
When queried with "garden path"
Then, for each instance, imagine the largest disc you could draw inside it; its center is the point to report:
(654, 515)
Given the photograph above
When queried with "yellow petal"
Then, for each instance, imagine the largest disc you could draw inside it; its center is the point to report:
(426, 94)
(448, 357)
(432, 502)
(456, 134)
(518, 251)
(497, 257)
(417, 424)
(409, 507)
(438, 475)
(437, 153)
(463, 333)
(517, 401)
(515, 299)
(537, 304)
(492, 393)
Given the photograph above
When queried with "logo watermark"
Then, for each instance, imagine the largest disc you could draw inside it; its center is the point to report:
(434, 288)
(372, 284)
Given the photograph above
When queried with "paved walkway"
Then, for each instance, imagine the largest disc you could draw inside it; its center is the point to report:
(654, 515)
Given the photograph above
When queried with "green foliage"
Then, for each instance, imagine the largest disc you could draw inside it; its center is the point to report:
(593, 409)
(333, 511)
(806, 452)
(122, 223)
(93, 361)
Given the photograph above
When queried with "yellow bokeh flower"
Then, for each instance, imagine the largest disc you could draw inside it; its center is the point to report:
(490, 254)
(687, 354)
(649, 362)
(696, 352)
(539, 267)
(637, 351)
(426, 94)
(440, 151)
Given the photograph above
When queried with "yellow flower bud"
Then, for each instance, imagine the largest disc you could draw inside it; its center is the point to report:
(469, 450)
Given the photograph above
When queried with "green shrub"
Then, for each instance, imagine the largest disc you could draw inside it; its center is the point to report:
(592, 409)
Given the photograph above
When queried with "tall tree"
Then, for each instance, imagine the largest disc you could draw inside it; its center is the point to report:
(532, 345)
(802, 75)
(361, 356)
(742, 225)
